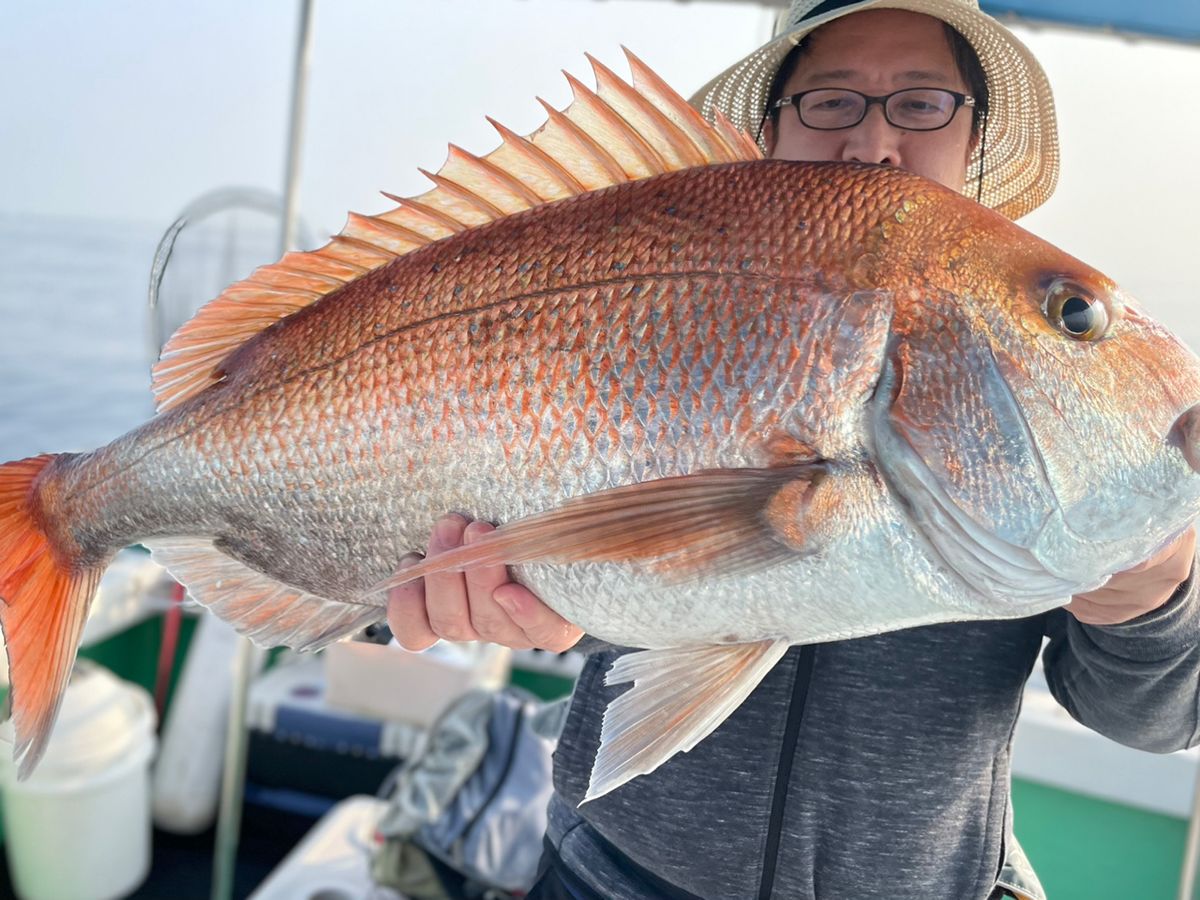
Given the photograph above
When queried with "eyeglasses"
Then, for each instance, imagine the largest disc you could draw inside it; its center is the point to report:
(912, 109)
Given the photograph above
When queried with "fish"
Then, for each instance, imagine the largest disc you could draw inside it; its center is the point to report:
(720, 405)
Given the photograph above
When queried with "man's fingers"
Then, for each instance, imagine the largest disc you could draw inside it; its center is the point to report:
(1139, 589)
(406, 612)
(488, 619)
(446, 593)
(543, 626)
(1100, 613)
(479, 604)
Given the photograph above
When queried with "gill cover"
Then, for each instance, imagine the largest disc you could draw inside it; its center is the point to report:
(954, 445)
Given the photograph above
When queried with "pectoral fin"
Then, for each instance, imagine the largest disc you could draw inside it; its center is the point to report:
(678, 698)
(723, 520)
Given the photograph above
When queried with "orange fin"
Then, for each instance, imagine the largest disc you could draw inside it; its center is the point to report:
(682, 527)
(270, 613)
(44, 602)
(615, 134)
(678, 698)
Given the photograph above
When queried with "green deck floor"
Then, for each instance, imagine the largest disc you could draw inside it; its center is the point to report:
(1088, 849)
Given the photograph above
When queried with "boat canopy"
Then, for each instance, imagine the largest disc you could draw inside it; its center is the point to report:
(1177, 20)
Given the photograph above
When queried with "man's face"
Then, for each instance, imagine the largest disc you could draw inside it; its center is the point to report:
(877, 52)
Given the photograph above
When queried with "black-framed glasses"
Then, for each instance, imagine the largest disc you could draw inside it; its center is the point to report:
(912, 109)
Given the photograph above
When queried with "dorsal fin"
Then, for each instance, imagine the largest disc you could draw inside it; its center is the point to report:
(614, 134)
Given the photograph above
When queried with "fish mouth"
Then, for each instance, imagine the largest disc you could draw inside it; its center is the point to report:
(987, 563)
(1185, 435)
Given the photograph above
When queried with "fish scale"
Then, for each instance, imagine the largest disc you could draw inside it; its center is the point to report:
(549, 432)
(717, 410)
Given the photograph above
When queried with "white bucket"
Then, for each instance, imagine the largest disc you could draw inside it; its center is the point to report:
(79, 827)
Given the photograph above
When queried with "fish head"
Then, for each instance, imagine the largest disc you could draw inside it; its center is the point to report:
(1039, 425)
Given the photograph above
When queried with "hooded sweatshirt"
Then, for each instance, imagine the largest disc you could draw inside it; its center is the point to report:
(872, 768)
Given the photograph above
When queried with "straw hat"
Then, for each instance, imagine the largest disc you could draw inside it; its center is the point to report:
(1021, 168)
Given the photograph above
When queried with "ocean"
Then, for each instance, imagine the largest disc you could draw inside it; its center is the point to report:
(75, 322)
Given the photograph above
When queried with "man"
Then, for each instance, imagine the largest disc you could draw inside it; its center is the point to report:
(876, 767)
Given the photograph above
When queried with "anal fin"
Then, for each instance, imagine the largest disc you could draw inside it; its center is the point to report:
(267, 611)
(678, 698)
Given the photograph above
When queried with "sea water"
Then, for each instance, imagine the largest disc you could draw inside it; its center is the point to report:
(76, 327)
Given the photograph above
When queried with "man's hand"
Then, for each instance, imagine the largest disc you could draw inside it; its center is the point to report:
(480, 604)
(1137, 591)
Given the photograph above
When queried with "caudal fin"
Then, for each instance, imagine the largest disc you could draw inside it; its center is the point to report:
(44, 599)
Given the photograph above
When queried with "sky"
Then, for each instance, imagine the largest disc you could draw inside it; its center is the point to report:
(130, 109)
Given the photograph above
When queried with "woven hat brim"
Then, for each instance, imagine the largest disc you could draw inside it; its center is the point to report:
(1022, 164)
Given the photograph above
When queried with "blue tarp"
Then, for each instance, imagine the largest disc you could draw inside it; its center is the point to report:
(1175, 19)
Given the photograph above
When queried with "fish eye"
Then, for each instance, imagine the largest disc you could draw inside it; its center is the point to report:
(1076, 312)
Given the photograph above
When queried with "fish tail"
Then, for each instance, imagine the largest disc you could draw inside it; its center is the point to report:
(45, 592)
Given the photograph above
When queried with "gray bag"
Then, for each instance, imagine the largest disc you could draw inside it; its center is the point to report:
(468, 813)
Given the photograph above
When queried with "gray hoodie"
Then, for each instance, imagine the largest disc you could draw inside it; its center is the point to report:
(871, 768)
